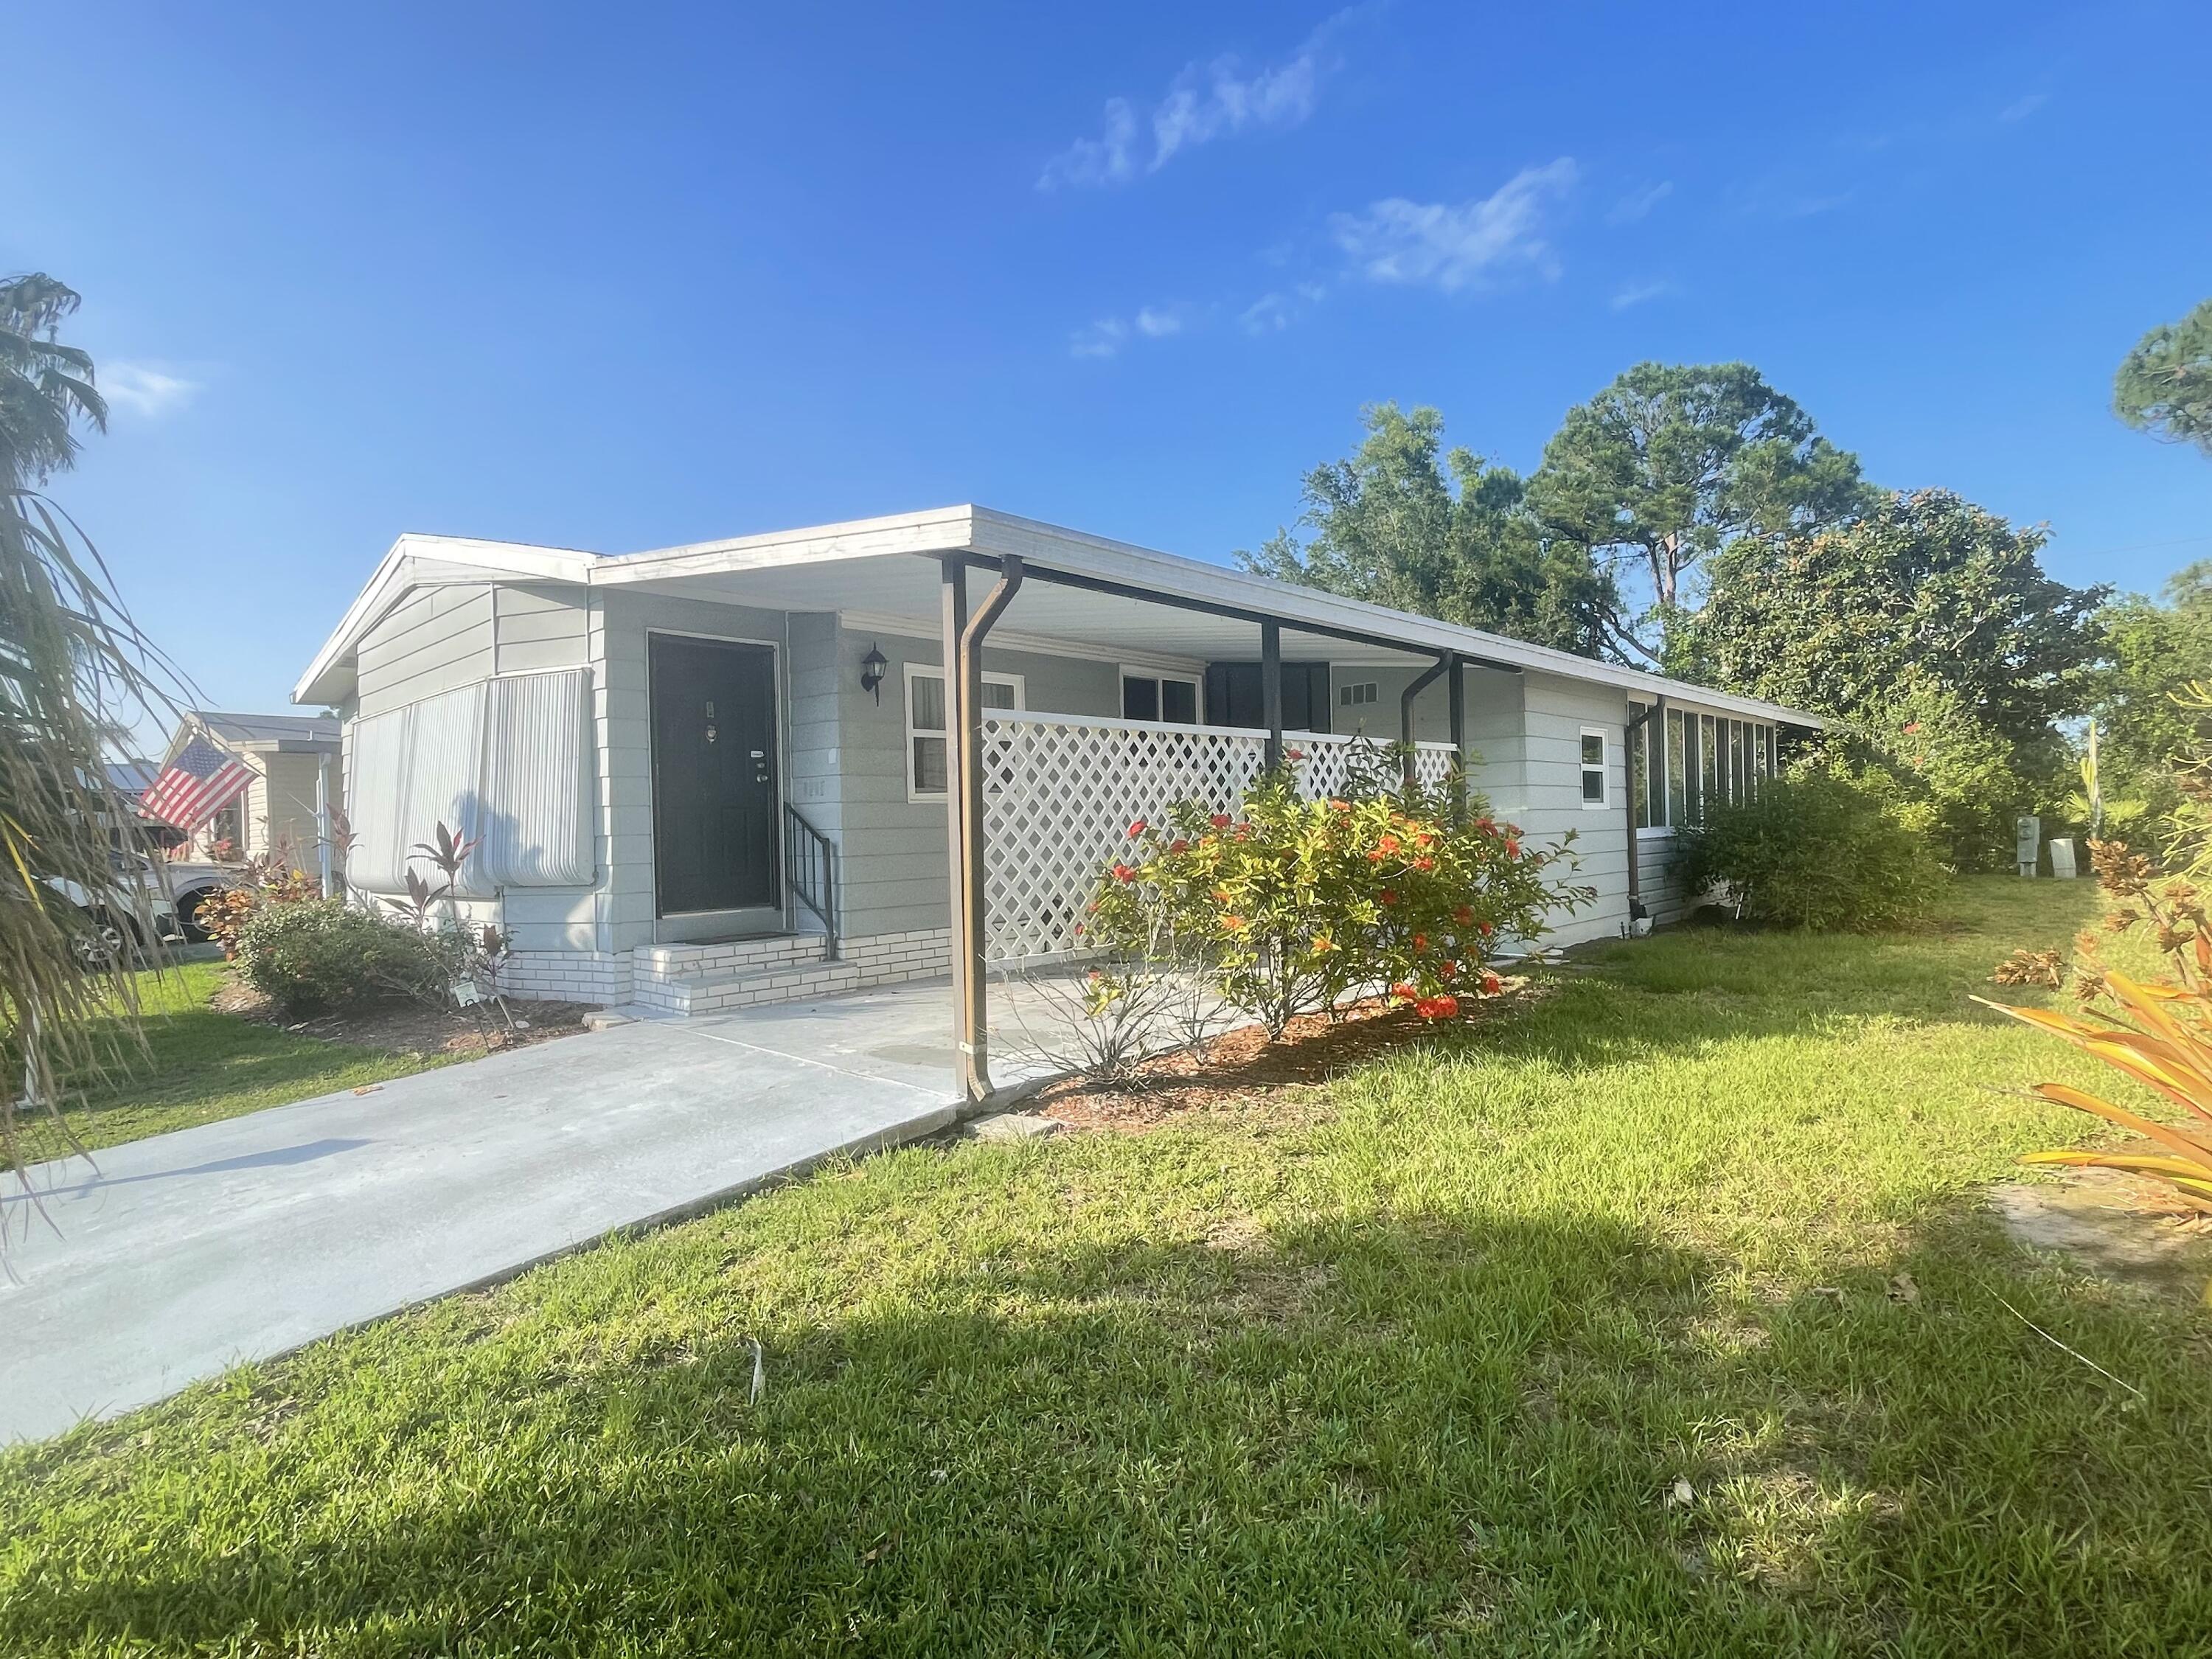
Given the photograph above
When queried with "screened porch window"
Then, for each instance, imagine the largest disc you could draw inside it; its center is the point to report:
(926, 764)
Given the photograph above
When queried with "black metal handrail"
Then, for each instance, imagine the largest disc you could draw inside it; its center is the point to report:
(810, 869)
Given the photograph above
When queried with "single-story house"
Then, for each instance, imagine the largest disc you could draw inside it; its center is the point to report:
(292, 760)
(735, 772)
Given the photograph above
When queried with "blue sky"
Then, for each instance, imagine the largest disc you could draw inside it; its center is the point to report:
(617, 278)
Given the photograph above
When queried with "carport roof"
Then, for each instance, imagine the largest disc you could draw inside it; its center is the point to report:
(883, 572)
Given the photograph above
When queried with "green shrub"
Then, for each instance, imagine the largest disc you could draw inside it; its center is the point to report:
(1298, 903)
(324, 952)
(1811, 850)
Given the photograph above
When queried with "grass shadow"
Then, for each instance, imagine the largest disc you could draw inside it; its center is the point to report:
(1375, 1433)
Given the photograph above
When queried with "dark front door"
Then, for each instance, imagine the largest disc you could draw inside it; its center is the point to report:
(714, 775)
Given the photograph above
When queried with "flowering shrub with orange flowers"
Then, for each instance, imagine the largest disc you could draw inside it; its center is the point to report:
(1297, 905)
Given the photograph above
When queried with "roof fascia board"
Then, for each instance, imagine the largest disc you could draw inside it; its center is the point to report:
(945, 530)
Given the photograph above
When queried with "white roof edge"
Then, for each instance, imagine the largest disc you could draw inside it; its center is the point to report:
(988, 531)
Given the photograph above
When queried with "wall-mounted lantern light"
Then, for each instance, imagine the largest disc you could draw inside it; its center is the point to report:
(871, 672)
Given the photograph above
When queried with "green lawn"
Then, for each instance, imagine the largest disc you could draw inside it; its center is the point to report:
(199, 1066)
(1412, 1369)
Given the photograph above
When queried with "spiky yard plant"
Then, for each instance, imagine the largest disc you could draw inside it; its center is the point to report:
(74, 673)
(2158, 1033)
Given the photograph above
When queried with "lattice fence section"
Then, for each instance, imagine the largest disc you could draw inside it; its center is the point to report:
(1328, 763)
(1061, 790)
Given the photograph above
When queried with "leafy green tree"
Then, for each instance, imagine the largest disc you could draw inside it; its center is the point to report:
(1927, 586)
(1399, 522)
(2152, 649)
(1673, 463)
(72, 670)
(2164, 385)
(1928, 627)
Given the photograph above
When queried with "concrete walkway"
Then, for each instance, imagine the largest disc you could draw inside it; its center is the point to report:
(183, 1254)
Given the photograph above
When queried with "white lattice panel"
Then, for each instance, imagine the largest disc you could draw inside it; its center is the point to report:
(1062, 791)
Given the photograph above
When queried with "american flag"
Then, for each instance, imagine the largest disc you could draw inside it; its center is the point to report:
(196, 785)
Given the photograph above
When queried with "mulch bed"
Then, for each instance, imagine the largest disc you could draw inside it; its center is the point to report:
(1240, 1070)
(408, 1028)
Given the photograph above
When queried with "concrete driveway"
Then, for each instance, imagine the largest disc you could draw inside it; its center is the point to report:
(186, 1253)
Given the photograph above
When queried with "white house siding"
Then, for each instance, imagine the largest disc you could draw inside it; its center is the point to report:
(1551, 803)
(438, 640)
(280, 807)
(1664, 898)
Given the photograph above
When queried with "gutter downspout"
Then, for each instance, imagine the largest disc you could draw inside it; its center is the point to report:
(1657, 708)
(971, 1012)
(323, 851)
(1456, 686)
(1421, 683)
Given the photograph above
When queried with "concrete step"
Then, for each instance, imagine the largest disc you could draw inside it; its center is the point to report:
(711, 993)
(660, 963)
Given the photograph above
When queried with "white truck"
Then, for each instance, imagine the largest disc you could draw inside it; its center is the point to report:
(107, 933)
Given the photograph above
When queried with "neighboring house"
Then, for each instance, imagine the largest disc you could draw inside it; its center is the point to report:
(718, 774)
(292, 757)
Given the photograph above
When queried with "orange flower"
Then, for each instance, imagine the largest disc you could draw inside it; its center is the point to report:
(1512, 850)
(1492, 985)
(1462, 915)
(1485, 930)
(1388, 897)
(1424, 864)
(1123, 872)
(1219, 820)
(1405, 993)
(1437, 1007)
(1420, 945)
(1388, 843)
(1178, 845)
(1232, 923)
(1136, 828)
(1448, 970)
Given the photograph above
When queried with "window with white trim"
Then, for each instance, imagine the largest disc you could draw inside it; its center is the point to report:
(1596, 781)
(927, 762)
(1170, 698)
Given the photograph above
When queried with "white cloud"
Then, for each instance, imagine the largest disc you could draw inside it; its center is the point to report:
(1448, 248)
(1108, 336)
(1275, 310)
(1107, 160)
(144, 389)
(2019, 109)
(1638, 204)
(1205, 102)
(1104, 338)
(1636, 293)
